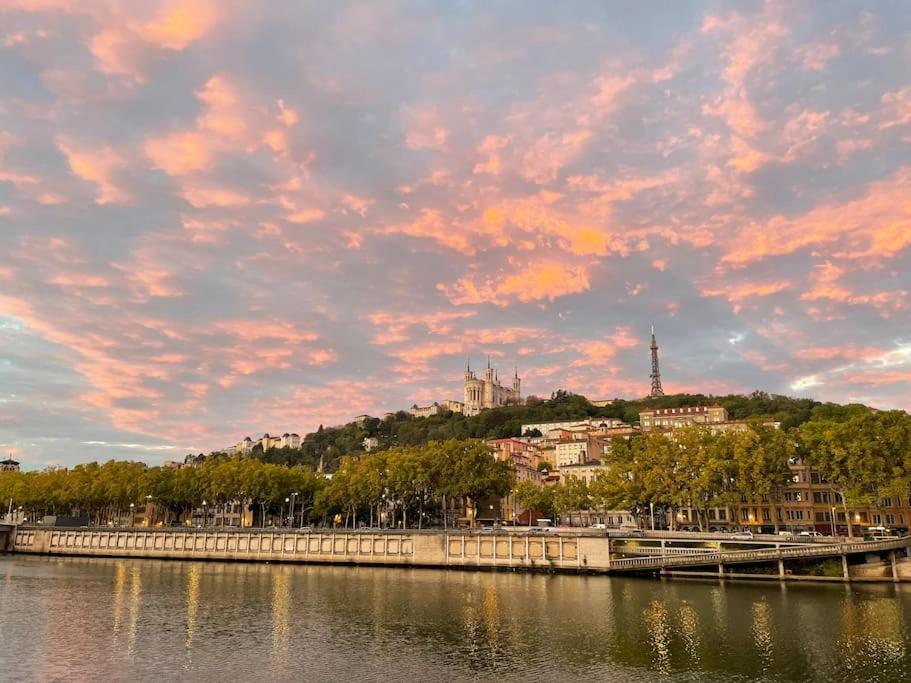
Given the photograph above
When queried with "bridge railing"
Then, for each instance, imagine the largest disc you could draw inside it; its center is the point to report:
(745, 556)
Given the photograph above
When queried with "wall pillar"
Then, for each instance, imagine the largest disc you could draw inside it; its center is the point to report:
(781, 569)
(894, 562)
(844, 567)
(720, 569)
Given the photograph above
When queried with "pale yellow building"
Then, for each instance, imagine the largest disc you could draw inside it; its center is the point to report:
(682, 416)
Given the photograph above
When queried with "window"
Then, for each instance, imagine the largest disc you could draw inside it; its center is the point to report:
(890, 519)
(722, 514)
(877, 519)
(814, 477)
(887, 502)
(766, 515)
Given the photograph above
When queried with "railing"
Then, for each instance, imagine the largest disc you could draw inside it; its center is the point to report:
(746, 556)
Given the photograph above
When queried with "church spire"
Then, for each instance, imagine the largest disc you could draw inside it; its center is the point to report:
(656, 373)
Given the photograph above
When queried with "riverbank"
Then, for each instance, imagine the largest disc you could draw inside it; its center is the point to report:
(524, 551)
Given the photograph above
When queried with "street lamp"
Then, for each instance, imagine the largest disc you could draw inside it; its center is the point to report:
(833, 522)
(284, 519)
(205, 513)
(291, 513)
(651, 512)
(148, 510)
(132, 514)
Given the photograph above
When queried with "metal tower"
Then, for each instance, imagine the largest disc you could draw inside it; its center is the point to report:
(656, 374)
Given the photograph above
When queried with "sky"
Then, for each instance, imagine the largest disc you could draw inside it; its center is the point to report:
(219, 219)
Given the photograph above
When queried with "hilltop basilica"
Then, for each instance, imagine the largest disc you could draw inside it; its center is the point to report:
(488, 392)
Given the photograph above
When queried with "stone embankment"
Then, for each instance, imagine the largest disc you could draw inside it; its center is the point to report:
(526, 551)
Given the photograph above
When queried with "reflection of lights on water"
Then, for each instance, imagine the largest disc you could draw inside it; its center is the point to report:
(281, 604)
(689, 629)
(872, 633)
(659, 631)
(193, 577)
(762, 632)
(492, 614)
(135, 600)
(120, 580)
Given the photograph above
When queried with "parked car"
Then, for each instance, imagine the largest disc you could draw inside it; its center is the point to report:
(786, 534)
(599, 526)
(880, 533)
(811, 534)
(742, 536)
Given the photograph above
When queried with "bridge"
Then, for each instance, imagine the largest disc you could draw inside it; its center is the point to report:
(667, 559)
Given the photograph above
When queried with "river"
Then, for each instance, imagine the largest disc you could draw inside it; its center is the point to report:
(81, 619)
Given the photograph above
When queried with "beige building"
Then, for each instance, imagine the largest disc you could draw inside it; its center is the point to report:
(682, 417)
(574, 425)
(488, 392)
(571, 453)
(9, 465)
(586, 472)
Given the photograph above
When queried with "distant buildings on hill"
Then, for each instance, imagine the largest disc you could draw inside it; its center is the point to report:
(266, 443)
(9, 465)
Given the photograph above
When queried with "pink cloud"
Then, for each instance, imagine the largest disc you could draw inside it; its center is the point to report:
(544, 280)
(97, 166)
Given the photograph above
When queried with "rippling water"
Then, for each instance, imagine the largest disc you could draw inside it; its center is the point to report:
(98, 619)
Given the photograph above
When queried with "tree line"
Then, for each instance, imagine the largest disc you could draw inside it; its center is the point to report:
(863, 456)
(409, 485)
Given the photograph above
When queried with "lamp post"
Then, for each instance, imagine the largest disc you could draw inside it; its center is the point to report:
(651, 512)
(291, 513)
(205, 513)
(833, 522)
(284, 519)
(148, 510)
(132, 514)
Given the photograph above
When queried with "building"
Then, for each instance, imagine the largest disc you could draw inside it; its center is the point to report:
(267, 442)
(573, 452)
(436, 408)
(9, 465)
(682, 417)
(586, 472)
(590, 422)
(488, 392)
(519, 451)
(425, 411)
(290, 441)
(370, 443)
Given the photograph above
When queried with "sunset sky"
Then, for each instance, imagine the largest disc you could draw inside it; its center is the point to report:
(219, 219)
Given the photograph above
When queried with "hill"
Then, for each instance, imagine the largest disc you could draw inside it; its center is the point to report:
(330, 444)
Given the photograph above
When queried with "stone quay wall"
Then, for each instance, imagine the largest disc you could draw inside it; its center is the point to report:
(418, 549)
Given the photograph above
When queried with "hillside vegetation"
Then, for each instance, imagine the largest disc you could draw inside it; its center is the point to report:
(401, 429)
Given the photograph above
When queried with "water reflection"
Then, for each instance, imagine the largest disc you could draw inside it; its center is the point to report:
(193, 577)
(689, 630)
(281, 610)
(762, 633)
(120, 582)
(255, 622)
(659, 630)
(135, 604)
